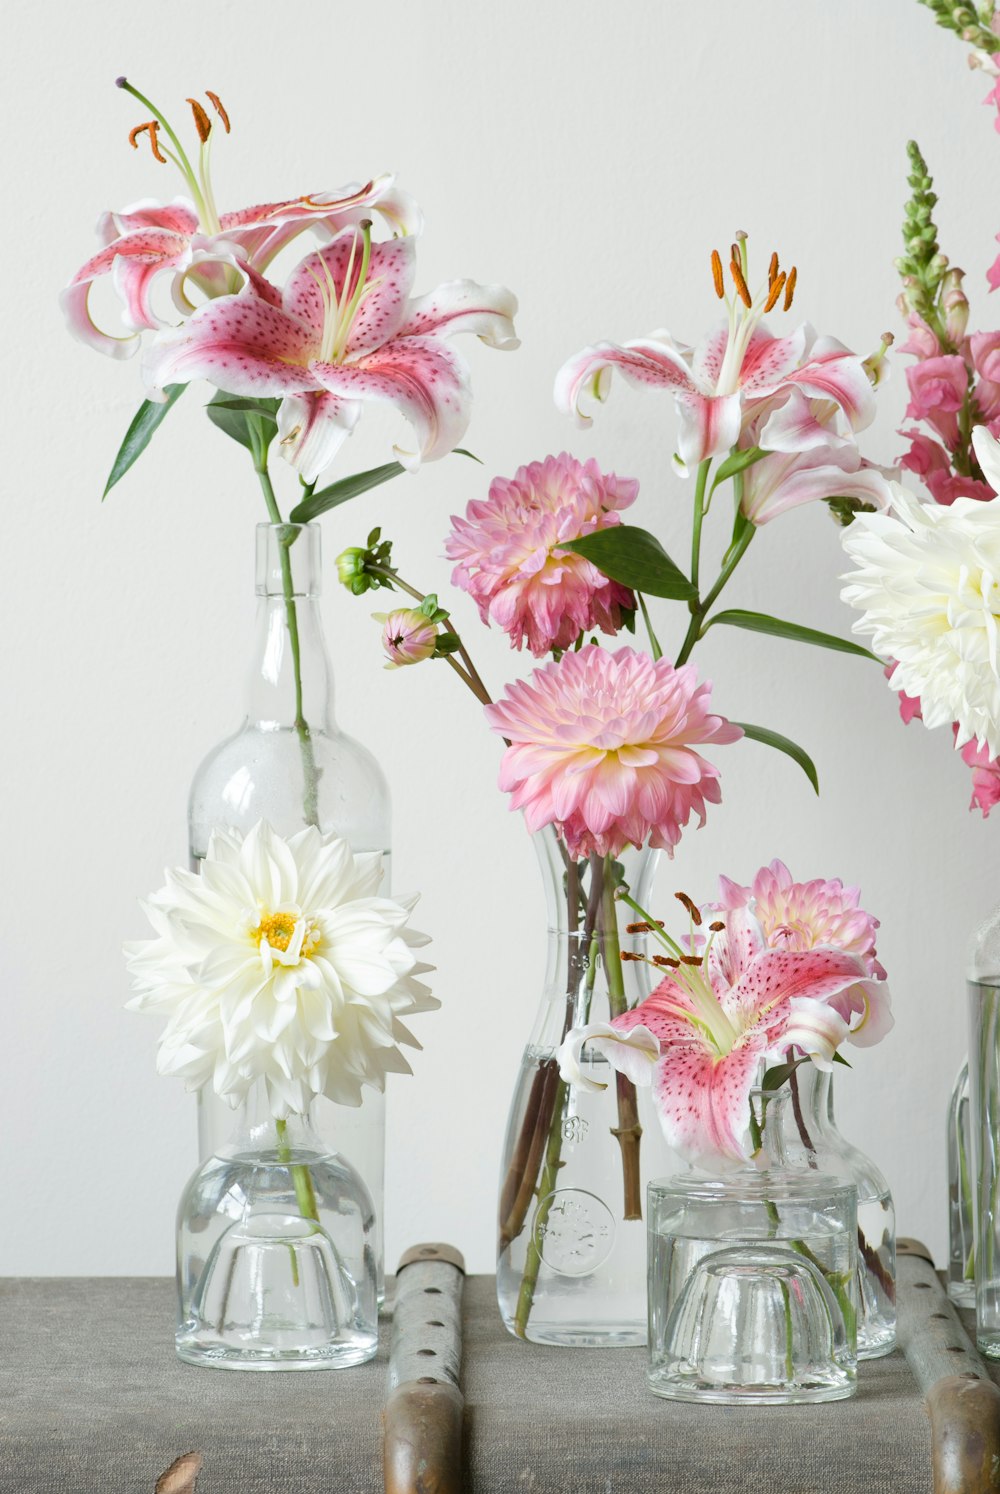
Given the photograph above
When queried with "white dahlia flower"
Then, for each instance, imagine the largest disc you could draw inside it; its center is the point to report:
(928, 585)
(279, 961)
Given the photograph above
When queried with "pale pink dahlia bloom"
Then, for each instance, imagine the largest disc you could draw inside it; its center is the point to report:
(821, 914)
(511, 564)
(602, 746)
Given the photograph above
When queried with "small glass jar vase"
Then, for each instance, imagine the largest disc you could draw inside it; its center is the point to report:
(813, 1140)
(290, 764)
(983, 972)
(571, 1260)
(276, 1252)
(961, 1204)
(753, 1279)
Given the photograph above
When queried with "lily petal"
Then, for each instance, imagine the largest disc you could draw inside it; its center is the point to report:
(653, 361)
(633, 1053)
(312, 428)
(240, 343)
(463, 306)
(426, 380)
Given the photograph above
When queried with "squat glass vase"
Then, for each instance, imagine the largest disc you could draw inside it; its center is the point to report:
(753, 1277)
(571, 1259)
(276, 1252)
(290, 764)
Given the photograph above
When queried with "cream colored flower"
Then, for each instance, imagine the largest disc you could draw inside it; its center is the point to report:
(279, 960)
(928, 585)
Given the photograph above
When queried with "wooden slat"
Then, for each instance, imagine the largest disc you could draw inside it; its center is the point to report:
(422, 1421)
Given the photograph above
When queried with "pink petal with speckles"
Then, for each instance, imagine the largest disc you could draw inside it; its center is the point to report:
(312, 428)
(768, 359)
(650, 362)
(704, 1102)
(136, 258)
(390, 277)
(709, 425)
(423, 377)
(239, 343)
(463, 306)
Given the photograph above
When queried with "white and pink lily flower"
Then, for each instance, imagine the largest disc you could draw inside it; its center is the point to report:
(343, 331)
(722, 385)
(150, 239)
(704, 1034)
(192, 243)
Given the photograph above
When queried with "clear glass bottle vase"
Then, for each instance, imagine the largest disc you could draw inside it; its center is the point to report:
(961, 1194)
(813, 1139)
(983, 972)
(289, 763)
(276, 1244)
(571, 1260)
(753, 1275)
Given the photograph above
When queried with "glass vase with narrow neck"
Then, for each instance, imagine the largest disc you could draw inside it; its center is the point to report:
(983, 974)
(571, 1259)
(813, 1140)
(289, 763)
(276, 1251)
(753, 1278)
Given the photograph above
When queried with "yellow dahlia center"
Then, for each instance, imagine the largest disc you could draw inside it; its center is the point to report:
(279, 931)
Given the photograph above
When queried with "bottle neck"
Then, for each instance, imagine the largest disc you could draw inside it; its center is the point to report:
(290, 680)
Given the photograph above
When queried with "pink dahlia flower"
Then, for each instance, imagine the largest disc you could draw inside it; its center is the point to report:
(802, 916)
(510, 559)
(602, 746)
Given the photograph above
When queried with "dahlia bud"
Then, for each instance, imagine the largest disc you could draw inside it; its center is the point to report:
(408, 636)
(955, 305)
(351, 570)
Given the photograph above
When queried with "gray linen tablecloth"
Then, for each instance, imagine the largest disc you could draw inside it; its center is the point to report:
(92, 1398)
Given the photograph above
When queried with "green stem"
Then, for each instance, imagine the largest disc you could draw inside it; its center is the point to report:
(546, 1188)
(628, 1132)
(654, 642)
(302, 1182)
(699, 514)
(310, 795)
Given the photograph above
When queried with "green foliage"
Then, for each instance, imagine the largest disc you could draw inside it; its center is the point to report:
(970, 22)
(636, 559)
(234, 417)
(782, 744)
(147, 420)
(340, 492)
(760, 622)
(921, 266)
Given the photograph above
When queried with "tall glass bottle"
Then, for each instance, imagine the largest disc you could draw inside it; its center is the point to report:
(289, 763)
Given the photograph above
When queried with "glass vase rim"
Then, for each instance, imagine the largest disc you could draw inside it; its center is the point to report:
(782, 1182)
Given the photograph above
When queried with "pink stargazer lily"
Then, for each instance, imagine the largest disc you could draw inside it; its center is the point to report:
(702, 1035)
(343, 331)
(724, 383)
(150, 240)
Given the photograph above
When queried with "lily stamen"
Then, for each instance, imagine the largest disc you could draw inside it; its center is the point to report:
(772, 269)
(718, 278)
(777, 286)
(790, 288)
(202, 123)
(740, 282)
(690, 906)
(152, 129)
(219, 108)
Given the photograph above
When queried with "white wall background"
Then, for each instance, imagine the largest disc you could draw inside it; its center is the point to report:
(589, 156)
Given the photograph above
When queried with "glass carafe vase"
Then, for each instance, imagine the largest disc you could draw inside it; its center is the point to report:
(289, 764)
(961, 1188)
(983, 973)
(813, 1139)
(571, 1259)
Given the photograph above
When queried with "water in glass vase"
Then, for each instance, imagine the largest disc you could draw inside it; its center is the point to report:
(984, 1086)
(276, 1263)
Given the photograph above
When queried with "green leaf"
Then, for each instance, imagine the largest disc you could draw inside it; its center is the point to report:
(232, 415)
(775, 1077)
(461, 451)
(635, 558)
(266, 407)
(340, 492)
(839, 1058)
(760, 622)
(140, 433)
(782, 744)
(738, 462)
